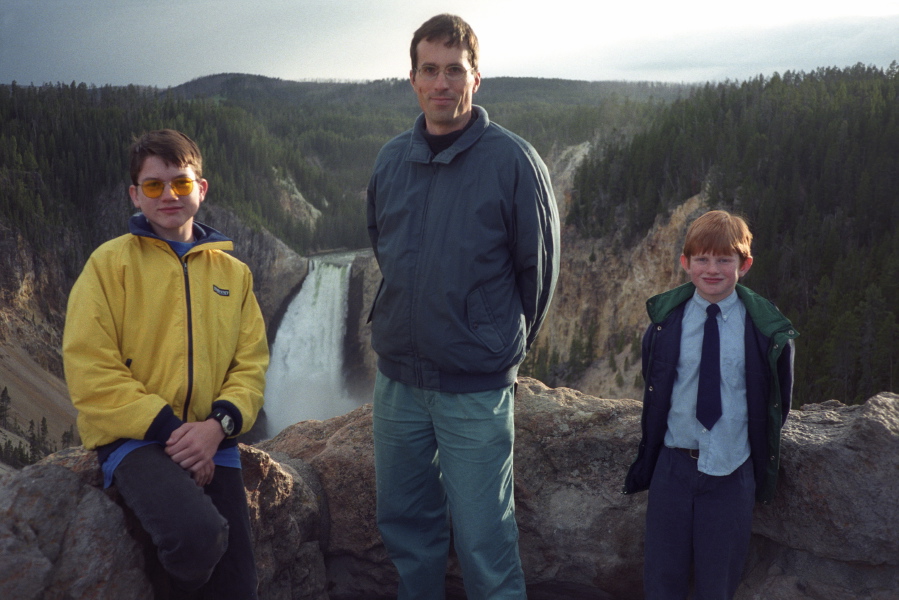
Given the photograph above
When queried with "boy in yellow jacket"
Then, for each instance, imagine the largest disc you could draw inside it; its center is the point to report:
(165, 356)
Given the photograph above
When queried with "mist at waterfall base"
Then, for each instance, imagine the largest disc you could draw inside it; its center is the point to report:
(305, 377)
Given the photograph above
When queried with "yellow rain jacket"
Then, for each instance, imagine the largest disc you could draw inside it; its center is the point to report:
(152, 340)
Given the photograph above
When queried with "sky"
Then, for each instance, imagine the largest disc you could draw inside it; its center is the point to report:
(164, 43)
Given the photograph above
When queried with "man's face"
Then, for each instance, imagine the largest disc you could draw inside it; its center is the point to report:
(715, 275)
(171, 216)
(446, 104)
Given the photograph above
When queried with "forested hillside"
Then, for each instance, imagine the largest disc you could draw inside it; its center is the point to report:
(812, 160)
(63, 155)
(63, 148)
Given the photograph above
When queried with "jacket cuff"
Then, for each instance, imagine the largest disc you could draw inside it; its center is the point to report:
(163, 426)
(232, 411)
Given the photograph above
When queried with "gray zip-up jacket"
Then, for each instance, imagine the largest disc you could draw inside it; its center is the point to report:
(468, 243)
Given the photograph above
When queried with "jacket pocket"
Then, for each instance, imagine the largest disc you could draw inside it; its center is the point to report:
(371, 311)
(482, 322)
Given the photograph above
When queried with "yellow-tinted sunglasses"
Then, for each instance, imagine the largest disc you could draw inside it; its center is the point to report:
(153, 188)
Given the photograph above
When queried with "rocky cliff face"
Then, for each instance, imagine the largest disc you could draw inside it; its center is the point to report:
(832, 532)
(32, 298)
(33, 294)
(360, 360)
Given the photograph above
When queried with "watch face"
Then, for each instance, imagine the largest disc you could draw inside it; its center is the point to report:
(227, 425)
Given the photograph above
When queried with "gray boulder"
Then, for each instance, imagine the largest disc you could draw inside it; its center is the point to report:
(832, 532)
(63, 537)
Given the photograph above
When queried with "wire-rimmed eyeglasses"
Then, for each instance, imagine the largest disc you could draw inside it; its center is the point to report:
(452, 72)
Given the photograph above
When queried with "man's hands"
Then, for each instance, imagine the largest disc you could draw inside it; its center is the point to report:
(193, 445)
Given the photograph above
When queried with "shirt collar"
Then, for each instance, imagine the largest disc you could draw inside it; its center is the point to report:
(726, 305)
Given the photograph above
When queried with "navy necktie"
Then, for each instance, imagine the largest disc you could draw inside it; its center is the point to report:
(708, 399)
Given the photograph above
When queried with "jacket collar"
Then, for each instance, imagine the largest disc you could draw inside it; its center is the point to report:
(764, 314)
(420, 152)
(204, 234)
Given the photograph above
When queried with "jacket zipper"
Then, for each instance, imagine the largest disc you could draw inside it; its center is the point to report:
(423, 248)
(190, 343)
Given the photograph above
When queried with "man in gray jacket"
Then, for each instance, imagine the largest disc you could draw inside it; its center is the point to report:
(464, 225)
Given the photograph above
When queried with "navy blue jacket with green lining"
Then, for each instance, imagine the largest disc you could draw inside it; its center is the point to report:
(769, 383)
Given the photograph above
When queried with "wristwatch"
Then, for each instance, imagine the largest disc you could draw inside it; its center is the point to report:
(224, 419)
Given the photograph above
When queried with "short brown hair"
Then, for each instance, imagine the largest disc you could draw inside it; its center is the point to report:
(447, 27)
(719, 232)
(173, 147)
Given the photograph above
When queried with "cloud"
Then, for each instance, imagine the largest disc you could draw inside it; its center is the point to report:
(737, 54)
(167, 42)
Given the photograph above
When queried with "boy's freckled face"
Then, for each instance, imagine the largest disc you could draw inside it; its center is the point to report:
(715, 275)
(171, 216)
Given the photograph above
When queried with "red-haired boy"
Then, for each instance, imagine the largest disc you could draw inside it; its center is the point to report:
(718, 372)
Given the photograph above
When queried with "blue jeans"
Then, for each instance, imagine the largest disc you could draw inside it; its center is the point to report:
(696, 524)
(439, 455)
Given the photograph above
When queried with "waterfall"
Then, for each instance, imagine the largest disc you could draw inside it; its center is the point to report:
(305, 376)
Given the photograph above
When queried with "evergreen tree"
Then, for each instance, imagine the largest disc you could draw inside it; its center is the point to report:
(5, 406)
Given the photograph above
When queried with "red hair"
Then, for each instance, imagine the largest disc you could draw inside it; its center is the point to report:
(719, 232)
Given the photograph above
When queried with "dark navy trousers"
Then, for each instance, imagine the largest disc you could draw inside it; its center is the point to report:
(202, 535)
(698, 529)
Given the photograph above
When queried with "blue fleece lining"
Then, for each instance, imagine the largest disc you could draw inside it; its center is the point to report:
(225, 457)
